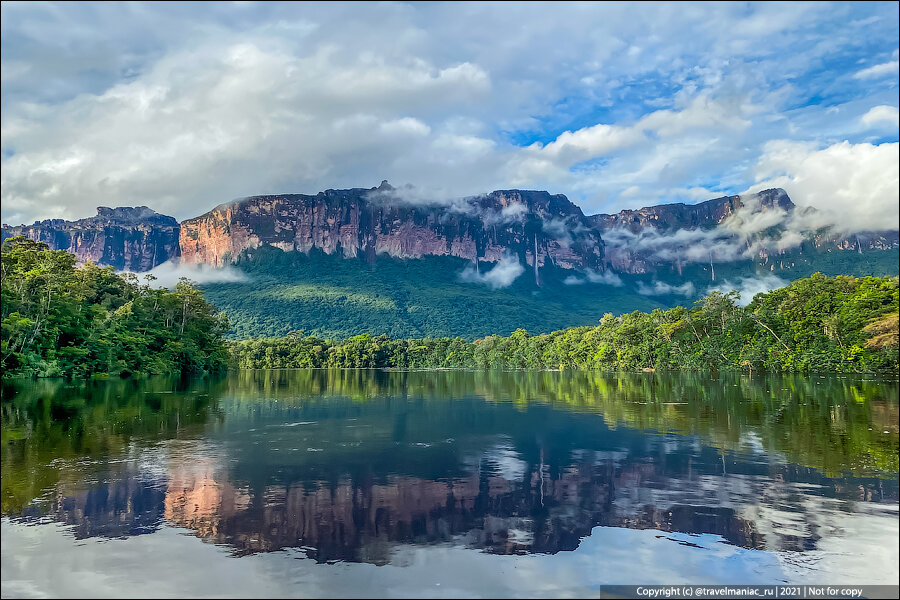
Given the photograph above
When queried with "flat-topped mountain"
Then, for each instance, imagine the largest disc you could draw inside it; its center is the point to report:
(536, 227)
(128, 238)
(705, 214)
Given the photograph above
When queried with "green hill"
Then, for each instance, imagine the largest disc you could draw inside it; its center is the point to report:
(330, 296)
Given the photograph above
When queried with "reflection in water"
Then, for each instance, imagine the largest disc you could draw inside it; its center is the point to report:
(352, 465)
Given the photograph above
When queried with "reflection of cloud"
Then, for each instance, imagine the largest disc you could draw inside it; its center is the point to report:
(507, 461)
(168, 273)
(659, 288)
(750, 286)
(502, 275)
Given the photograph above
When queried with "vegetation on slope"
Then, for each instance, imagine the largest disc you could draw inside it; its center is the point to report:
(814, 324)
(334, 297)
(59, 320)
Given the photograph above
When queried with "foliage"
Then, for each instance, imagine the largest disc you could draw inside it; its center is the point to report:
(335, 297)
(61, 320)
(56, 435)
(814, 324)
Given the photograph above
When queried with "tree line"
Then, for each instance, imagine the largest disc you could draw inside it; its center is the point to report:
(820, 324)
(62, 320)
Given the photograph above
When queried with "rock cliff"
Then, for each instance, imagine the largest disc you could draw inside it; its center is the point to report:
(537, 227)
(758, 227)
(133, 239)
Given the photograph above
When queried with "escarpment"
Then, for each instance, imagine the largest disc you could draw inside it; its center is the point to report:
(537, 227)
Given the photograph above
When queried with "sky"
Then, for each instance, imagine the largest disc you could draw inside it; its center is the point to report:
(182, 106)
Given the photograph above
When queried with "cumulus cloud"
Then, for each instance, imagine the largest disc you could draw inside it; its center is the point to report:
(660, 288)
(499, 276)
(881, 114)
(748, 287)
(170, 272)
(182, 109)
(853, 187)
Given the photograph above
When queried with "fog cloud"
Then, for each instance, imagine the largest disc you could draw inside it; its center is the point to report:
(170, 272)
(748, 287)
(659, 288)
(501, 275)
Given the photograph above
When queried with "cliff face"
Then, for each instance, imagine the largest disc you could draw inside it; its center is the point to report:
(537, 227)
(666, 217)
(759, 227)
(133, 239)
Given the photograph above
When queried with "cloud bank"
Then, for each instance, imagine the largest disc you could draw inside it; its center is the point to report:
(183, 108)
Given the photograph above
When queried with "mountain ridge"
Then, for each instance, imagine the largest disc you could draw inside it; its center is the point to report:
(533, 227)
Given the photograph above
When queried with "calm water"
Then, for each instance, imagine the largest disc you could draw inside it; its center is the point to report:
(368, 483)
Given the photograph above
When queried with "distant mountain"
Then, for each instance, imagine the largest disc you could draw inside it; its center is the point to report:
(133, 239)
(536, 228)
(382, 260)
(766, 228)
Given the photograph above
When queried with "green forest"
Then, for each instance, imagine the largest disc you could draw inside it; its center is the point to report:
(62, 320)
(59, 319)
(335, 297)
(827, 324)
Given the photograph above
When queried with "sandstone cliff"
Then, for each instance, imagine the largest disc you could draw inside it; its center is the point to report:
(133, 239)
(537, 227)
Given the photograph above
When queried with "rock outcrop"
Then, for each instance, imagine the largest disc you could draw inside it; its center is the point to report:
(707, 214)
(758, 227)
(133, 239)
(537, 227)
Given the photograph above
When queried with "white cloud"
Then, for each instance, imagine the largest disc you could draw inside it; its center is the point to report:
(748, 287)
(854, 187)
(184, 109)
(658, 288)
(590, 275)
(604, 277)
(879, 70)
(881, 114)
(170, 272)
(501, 275)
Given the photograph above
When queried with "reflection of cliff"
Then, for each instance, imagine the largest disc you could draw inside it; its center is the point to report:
(346, 465)
(362, 521)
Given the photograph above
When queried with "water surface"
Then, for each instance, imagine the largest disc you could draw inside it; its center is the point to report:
(371, 483)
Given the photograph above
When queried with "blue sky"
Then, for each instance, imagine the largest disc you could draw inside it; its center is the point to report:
(182, 106)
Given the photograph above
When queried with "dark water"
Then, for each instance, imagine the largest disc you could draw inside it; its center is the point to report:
(368, 483)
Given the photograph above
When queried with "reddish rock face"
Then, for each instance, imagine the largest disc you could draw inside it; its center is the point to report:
(132, 239)
(535, 226)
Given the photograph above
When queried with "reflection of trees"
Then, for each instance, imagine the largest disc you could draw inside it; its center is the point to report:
(533, 473)
(49, 424)
(834, 424)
